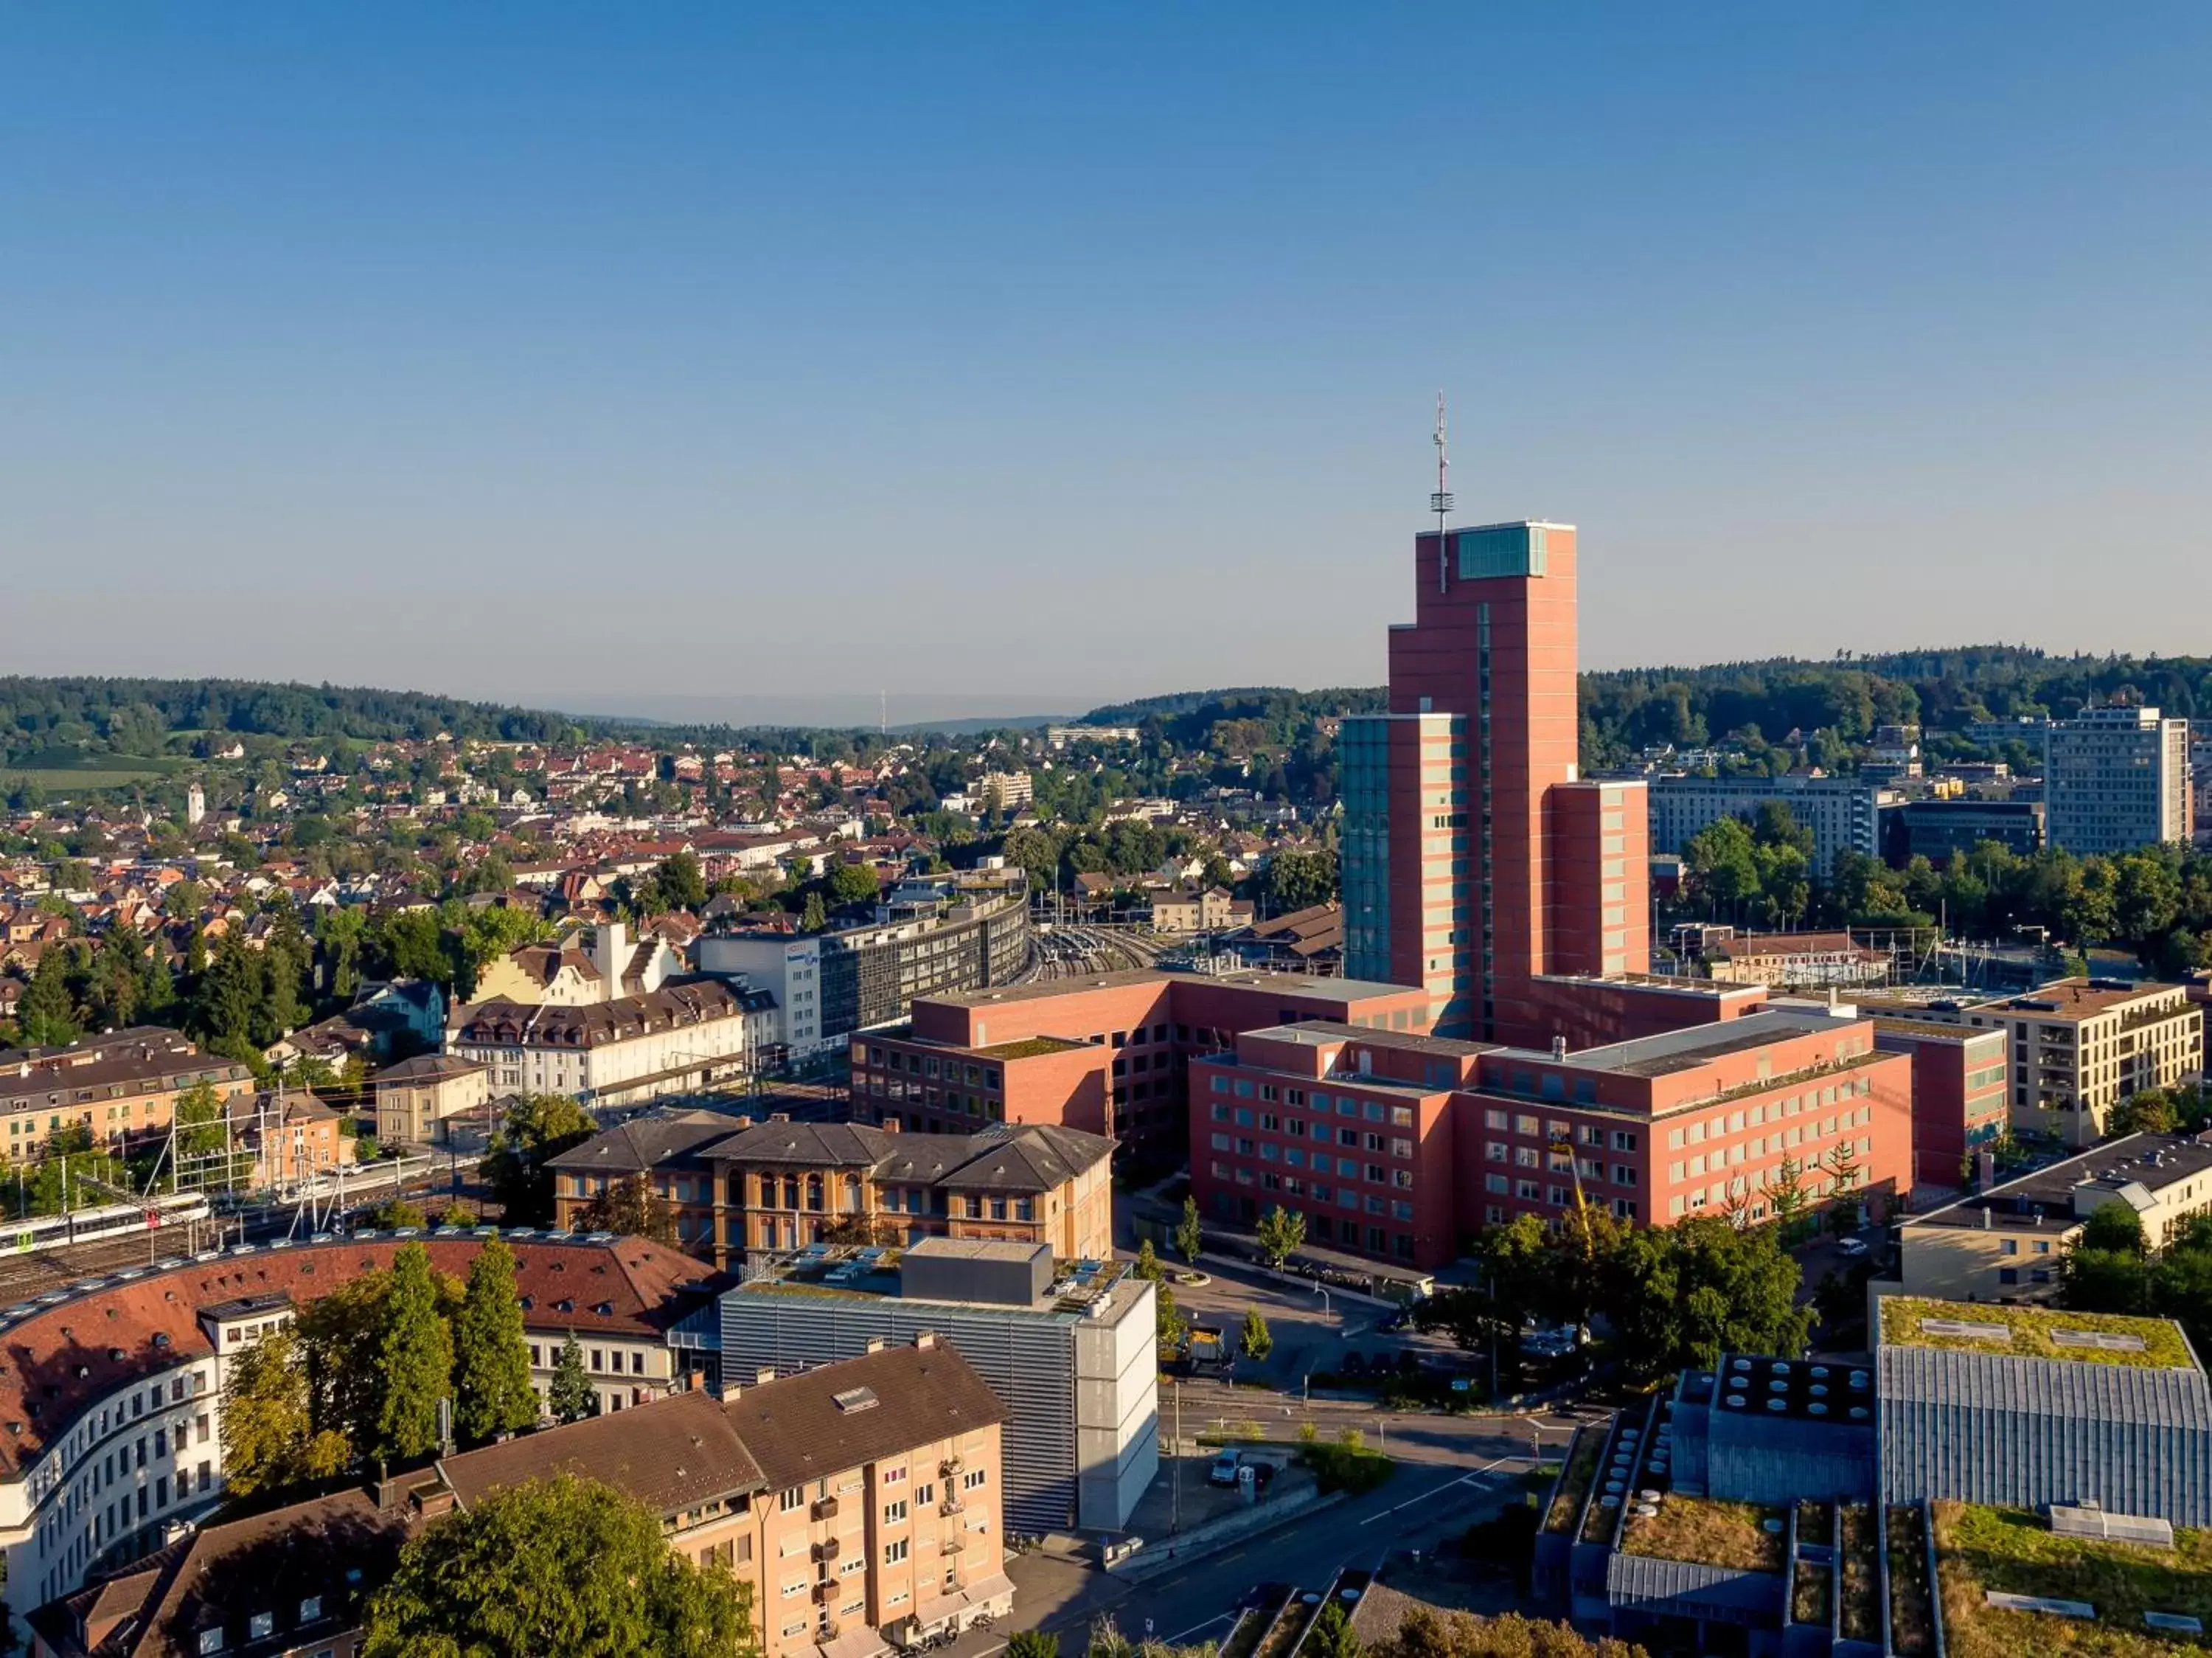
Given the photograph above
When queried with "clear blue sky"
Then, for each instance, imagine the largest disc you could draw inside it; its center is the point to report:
(1014, 358)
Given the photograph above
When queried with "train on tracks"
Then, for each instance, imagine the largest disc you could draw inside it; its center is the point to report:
(33, 1233)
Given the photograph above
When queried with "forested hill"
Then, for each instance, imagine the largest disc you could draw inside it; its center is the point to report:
(1628, 710)
(140, 716)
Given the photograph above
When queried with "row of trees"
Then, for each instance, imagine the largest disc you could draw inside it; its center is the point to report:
(2110, 1268)
(1673, 1297)
(2156, 901)
(359, 1374)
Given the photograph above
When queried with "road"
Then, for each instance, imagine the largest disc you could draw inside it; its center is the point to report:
(1424, 1504)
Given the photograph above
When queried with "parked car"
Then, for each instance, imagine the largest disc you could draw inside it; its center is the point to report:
(1224, 1471)
(1852, 1247)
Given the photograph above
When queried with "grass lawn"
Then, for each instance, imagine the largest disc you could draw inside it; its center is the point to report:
(1352, 1468)
(1730, 1534)
(78, 779)
(2012, 1551)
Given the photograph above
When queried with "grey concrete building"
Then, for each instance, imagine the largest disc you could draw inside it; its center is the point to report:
(1073, 1359)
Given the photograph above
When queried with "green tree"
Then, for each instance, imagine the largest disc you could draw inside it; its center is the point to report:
(2104, 1280)
(2150, 1110)
(538, 1126)
(1169, 1326)
(270, 1440)
(1300, 879)
(1257, 1341)
(415, 1358)
(1189, 1235)
(678, 884)
(1148, 1264)
(815, 916)
(47, 1014)
(2115, 1226)
(491, 1359)
(570, 1396)
(1787, 1198)
(1679, 1296)
(1281, 1232)
(1032, 1643)
(631, 1207)
(395, 1213)
(561, 1565)
(854, 883)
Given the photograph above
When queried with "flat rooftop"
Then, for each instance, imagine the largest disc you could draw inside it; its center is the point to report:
(2075, 998)
(1699, 989)
(974, 1249)
(2045, 1197)
(1929, 1030)
(1688, 1049)
(2034, 1333)
(1346, 990)
(1805, 1390)
(1319, 1033)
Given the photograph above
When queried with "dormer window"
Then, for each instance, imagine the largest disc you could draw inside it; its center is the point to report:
(261, 1626)
(310, 1608)
(211, 1640)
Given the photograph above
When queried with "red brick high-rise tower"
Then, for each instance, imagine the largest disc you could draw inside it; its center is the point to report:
(1475, 858)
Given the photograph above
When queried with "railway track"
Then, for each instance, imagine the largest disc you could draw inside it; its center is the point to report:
(40, 1271)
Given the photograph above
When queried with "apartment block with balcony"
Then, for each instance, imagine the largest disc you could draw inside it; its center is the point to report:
(2079, 1047)
(861, 1500)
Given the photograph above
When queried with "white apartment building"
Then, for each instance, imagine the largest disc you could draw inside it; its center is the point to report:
(1844, 813)
(787, 967)
(111, 1403)
(2115, 779)
(635, 1048)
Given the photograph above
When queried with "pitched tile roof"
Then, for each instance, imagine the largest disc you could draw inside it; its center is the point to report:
(224, 1573)
(644, 1142)
(922, 1394)
(57, 1361)
(672, 1454)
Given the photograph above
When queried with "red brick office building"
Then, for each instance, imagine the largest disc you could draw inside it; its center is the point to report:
(1105, 1054)
(1402, 1147)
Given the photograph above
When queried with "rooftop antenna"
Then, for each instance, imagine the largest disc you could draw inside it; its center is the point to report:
(1440, 503)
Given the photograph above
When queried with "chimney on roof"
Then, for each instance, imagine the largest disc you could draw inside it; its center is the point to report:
(876, 1343)
(778, 1117)
(1559, 1047)
(1989, 1217)
(764, 1376)
(890, 1125)
(745, 1122)
(924, 1340)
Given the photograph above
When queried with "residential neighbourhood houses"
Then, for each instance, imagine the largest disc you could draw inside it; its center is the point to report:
(1399, 983)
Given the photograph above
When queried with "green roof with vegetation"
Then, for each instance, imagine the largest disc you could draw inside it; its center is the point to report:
(1028, 1047)
(1708, 1533)
(2013, 1551)
(2032, 1332)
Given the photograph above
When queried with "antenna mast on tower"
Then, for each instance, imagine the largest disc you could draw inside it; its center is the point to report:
(1440, 503)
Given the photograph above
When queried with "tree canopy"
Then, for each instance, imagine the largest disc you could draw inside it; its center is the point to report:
(561, 1565)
